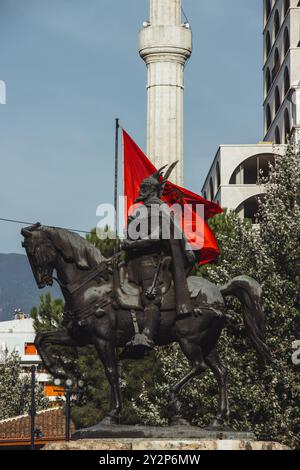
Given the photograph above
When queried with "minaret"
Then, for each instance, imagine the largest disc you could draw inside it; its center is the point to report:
(165, 46)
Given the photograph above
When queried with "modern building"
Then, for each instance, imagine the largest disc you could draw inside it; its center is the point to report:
(165, 46)
(17, 336)
(281, 69)
(232, 180)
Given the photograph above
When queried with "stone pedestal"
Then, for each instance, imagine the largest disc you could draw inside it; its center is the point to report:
(164, 445)
(170, 438)
(157, 433)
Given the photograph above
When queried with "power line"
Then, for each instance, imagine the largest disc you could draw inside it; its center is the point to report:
(183, 12)
(22, 222)
(187, 20)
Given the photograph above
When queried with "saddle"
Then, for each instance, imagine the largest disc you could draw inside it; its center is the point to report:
(128, 294)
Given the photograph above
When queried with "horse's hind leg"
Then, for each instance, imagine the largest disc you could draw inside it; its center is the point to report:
(194, 354)
(215, 364)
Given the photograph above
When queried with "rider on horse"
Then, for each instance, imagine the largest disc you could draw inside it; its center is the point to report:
(145, 251)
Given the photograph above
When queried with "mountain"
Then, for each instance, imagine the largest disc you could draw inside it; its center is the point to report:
(18, 288)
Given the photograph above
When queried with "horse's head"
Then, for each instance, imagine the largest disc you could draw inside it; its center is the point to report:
(41, 254)
(50, 248)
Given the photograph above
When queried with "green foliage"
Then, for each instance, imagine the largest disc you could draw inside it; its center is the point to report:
(104, 242)
(48, 315)
(15, 389)
(265, 400)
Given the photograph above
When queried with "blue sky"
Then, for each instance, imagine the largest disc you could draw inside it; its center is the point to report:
(72, 66)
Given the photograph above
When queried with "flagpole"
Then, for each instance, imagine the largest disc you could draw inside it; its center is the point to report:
(116, 183)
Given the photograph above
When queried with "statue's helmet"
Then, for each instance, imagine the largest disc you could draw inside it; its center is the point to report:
(153, 186)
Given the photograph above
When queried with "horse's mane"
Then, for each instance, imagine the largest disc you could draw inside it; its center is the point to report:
(74, 248)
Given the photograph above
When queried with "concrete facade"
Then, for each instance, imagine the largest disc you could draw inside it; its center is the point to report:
(17, 336)
(281, 69)
(165, 44)
(14, 335)
(232, 179)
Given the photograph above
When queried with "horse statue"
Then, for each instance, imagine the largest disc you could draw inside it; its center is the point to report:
(103, 310)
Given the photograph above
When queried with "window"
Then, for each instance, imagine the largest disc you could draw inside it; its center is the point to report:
(277, 99)
(277, 136)
(30, 349)
(287, 83)
(211, 188)
(286, 6)
(286, 41)
(268, 44)
(250, 171)
(268, 8)
(249, 209)
(268, 80)
(287, 126)
(276, 23)
(265, 160)
(276, 64)
(268, 116)
(218, 175)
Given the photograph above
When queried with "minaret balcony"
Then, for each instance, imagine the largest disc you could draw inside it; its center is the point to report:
(155, 41)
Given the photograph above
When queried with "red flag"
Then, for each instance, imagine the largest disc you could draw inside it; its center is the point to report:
(137, 167)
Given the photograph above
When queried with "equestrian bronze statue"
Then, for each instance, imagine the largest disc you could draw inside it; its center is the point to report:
(149, 299)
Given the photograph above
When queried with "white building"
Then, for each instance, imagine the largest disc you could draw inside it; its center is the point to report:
(281, 68)
(17, 336)
(232, 178)
(165, 46)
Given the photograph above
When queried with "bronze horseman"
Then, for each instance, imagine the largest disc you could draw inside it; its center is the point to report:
(146, 254)
(112, 305)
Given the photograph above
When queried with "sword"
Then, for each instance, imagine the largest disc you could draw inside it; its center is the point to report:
(150, 292)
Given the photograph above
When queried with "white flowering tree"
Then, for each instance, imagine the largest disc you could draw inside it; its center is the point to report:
(15, 389)
(263, 399)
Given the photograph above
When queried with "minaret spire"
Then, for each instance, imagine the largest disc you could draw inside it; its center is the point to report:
(165, 46)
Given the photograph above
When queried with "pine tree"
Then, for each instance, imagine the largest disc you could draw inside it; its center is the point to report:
(49, 314)
(105, 243)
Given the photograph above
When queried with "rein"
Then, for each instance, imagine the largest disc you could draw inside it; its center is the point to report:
(73, 287)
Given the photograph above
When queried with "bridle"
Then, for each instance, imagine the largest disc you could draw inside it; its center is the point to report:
(94, 273)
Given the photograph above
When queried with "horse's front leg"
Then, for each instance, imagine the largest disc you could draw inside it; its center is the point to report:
(108, 356)
(42, 343)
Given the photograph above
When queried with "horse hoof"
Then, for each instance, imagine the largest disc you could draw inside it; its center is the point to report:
(218, 424)
(179, 421)
(109, 420)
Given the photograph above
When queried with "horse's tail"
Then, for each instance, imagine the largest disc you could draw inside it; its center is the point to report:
(249, 292)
